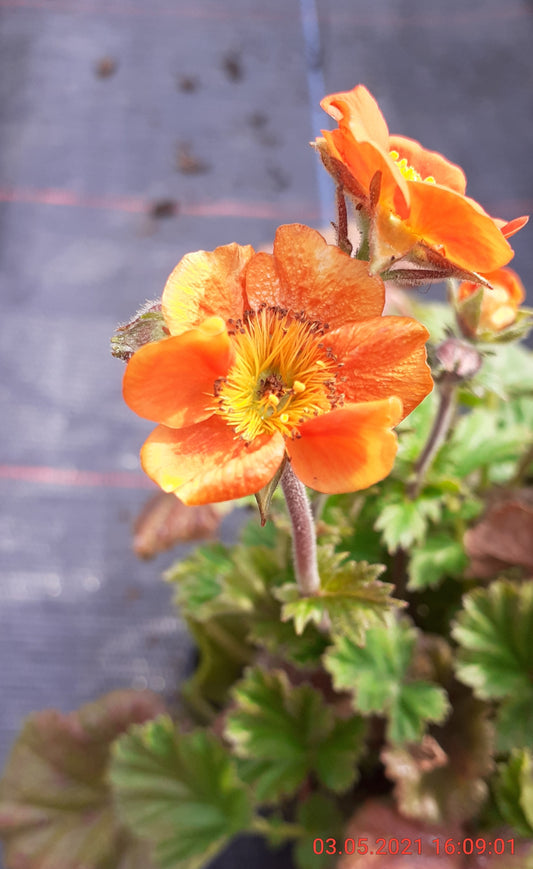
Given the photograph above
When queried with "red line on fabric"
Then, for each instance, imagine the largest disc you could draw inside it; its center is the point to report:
(508, 208)
(137, 205)
(74, 477)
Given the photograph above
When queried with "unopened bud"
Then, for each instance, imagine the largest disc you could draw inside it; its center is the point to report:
(148, 325)
(458, 358)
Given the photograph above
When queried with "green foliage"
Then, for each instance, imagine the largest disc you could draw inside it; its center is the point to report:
(283, 733)
(494, 631)
(513, 791)
(321, 819)
(223, 652)
(404, 521)
(514, 722)
(480, 440)
(442, 779)
(217, 580)
(378, 677)
(351, 598)
(414, 431)
(180, 791)
(281, 641)
(437, 557)
(56, 809)
(507, 373)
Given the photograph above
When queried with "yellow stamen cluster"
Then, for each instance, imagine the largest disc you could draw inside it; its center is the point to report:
(408, 171)
(283, 374)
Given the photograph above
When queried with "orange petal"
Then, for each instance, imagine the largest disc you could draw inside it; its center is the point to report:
(381, 357)
(429, 163)
(363, 159)
(206, 463)
(506, 278)
(306, 274)
(458, 228)
(348, 449)
(172, 381)
(205, 284)
(511, 227)
(358, 110)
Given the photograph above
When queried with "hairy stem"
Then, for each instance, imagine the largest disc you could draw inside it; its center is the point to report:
(437, 435)
(342, 222)
(303, 532)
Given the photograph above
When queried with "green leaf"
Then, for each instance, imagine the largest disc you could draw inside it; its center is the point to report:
(469, 309)
(494, 631)
(480, 440)
(514, 722)
(180, 791)
(507, 373)
(351, 598)
(513, 791)
(405, 522)
(321, 819)
(435, 316)
(265, 495)
(378, 677)
(415, 428)
(56, 808)
(443, 779)
(437, 557)
(223, 652)
(219, 580)
(283, 733)
(281, 640)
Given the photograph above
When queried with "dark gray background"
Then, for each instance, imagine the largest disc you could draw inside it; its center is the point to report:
(83, 159)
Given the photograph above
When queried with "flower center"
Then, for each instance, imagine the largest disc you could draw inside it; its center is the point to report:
(408, 171)
(283, 374)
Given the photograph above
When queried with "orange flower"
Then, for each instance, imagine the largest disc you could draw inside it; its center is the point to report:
(275, 355)
(499, 305)
(422, 210)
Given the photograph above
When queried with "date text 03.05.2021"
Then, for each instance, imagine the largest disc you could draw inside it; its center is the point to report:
(413, 847)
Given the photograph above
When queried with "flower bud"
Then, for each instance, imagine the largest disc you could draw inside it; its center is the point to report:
(148, 325)
(458, 358)
(487, 313)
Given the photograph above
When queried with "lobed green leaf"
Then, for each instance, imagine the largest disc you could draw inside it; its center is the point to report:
(494, 633)
(440, 555)
(351, 598)
(282, 733)
(56, 808)
(378, 677)
(513, 792)
(180, 791)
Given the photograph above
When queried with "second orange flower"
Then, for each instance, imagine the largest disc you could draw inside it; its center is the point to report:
(415, 198)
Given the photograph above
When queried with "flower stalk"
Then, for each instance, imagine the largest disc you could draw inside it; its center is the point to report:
(343, 242)
(303, 533)
(441, 425)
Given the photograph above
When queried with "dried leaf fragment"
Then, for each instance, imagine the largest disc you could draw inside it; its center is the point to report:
(165, 521)
(503, 537)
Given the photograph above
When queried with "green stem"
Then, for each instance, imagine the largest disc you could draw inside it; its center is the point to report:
(441, 426)
(303, 533)
(363, 251)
